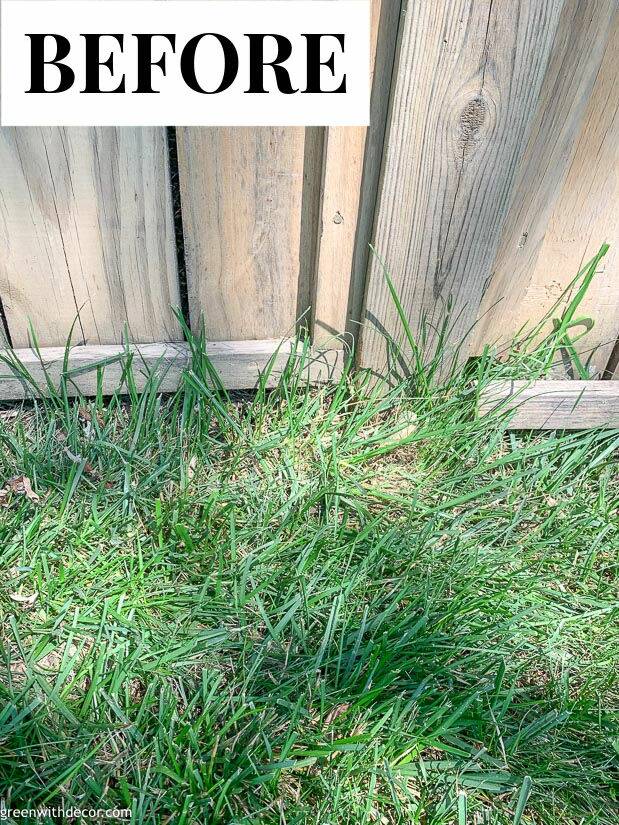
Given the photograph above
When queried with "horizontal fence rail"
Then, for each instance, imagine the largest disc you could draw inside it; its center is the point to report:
(553, 405)
(105, 369)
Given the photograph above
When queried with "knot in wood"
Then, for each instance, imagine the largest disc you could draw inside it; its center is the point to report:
(472, 118)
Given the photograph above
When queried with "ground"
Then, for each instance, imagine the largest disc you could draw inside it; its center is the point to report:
(332, 605)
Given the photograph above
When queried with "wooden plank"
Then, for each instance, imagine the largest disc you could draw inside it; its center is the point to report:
(238, 363)
(340, 202)
(566, 197)
(388, 31)
(553, 405)
(466, 90)
(241, 191)
(313, 163)
(86, 225)
(342, 175)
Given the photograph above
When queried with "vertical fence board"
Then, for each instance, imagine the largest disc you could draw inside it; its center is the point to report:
(86, 225)
(466, 90)
(338, 221)
(241, 192)
(342, 173)
(313, 169)
(386, 48)
(566, 199)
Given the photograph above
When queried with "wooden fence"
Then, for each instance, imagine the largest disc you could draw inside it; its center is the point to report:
(488, 175)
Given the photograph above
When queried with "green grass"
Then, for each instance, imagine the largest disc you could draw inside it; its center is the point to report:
(335, 605)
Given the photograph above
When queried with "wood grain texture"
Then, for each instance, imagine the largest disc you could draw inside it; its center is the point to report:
(340, 202)
(386, 47)
(86, 226)
(238, 363)
(567, 195)
(311, 216)
(341, 190)
(553, 405)
(465, 94)
(241, 192)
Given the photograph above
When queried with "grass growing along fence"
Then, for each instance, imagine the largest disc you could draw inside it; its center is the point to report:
(346, 604)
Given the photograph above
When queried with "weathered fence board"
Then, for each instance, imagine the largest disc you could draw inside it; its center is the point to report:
(464, 98)
(86, 226)
(343, 165)
(385, 66)
(553, 405)
(90, 369)
(565, 203)
(344, 150)
(241, 192)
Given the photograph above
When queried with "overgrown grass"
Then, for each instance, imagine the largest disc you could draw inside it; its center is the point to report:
(309, 605)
